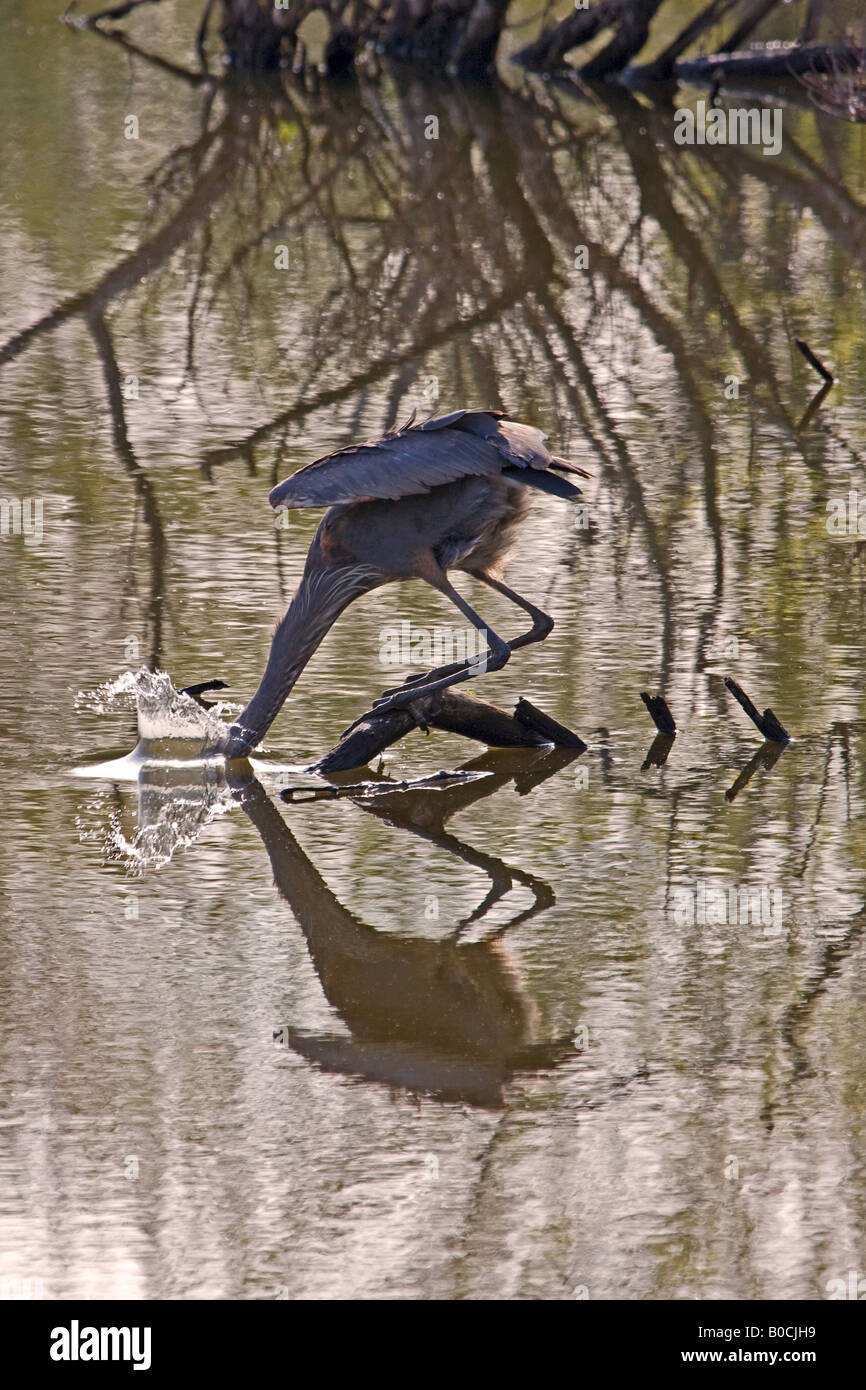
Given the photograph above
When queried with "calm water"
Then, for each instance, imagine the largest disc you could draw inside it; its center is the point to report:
(510, 1061)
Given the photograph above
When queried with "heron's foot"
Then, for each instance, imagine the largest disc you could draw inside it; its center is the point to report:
(405, 696)
(397, 699)
(445, 676)
(420, 716)
(474, 665)
(419, 713)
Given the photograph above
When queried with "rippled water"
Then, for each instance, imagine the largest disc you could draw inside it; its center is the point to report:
(487, 1038)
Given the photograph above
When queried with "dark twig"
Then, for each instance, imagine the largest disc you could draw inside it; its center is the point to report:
(196, 691)
(766, 723)
(660, 713)
(815, 361)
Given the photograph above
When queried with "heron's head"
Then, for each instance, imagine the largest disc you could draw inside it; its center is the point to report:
(279, 496)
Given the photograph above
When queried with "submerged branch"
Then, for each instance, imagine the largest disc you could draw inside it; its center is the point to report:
(784, 60)
(450, 711)
(766, 723)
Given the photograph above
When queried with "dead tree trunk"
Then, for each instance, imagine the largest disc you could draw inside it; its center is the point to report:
(630, 20)
(631, 34)
(459, 36)
(259, 37)
(456, 713)
(547, 52)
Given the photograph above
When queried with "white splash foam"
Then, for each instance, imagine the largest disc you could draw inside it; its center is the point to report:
(163, 711)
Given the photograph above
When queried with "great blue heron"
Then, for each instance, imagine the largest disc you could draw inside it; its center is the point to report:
(422, 500)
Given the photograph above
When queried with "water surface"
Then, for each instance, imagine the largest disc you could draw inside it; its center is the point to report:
(506, 1064)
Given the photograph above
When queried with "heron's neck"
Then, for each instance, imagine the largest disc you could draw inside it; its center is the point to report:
(321, 597)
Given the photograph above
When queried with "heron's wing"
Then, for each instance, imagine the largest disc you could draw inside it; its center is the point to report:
(415, 459)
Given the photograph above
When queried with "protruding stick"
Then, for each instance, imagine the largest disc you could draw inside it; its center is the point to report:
(815, 361)
(766, 723)
(660, 713)
(195, 692)
(541, 723)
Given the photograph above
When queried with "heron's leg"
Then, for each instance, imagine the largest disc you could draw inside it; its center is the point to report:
(542, 625)
(498, 652)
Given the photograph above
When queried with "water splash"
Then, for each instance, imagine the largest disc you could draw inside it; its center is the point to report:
(179, 791)
(163, 711)
(170, 818)
(175, 804)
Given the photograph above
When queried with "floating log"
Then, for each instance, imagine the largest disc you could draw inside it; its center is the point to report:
(788, 60)
(660, 713)
(766, 723)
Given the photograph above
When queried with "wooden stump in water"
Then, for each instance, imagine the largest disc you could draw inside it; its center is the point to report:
(454, 713)
(660, 713)
(766, 723)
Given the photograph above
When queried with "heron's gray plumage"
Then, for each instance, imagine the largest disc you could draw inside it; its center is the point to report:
(417, 458)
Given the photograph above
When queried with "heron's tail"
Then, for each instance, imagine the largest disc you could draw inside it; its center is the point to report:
(544, 480)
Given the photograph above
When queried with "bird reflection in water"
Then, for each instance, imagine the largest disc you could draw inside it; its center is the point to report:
(448, 1017)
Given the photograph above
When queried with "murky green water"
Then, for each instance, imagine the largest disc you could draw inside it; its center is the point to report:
(509, 1061)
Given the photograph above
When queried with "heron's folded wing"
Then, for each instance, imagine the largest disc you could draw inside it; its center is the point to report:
(399, 465)
(418, 458)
